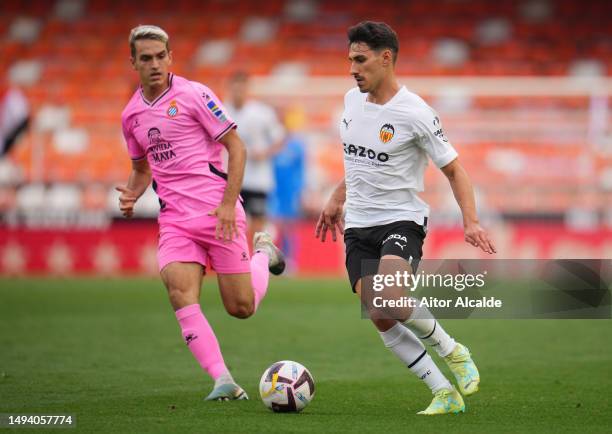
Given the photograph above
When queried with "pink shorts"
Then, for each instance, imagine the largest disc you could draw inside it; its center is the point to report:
(194, 241)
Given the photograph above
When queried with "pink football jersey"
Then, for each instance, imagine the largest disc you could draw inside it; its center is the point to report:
(179, 135)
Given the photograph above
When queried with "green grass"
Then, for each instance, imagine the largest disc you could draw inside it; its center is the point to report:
(110, 352)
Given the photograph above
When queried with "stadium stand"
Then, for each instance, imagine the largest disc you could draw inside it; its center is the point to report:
(71, 59)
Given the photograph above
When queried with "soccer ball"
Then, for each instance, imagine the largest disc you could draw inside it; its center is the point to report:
(286, 387)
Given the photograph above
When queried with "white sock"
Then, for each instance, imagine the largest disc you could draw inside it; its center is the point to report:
(425, 326)
(225, 378)
(411, 351)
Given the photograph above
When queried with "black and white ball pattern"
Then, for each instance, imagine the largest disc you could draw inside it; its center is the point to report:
(286, 387)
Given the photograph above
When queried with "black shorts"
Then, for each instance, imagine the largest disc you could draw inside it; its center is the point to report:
(402, 238)
(255, 202)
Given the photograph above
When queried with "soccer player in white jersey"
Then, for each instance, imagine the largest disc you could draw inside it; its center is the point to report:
(263, 136)
(388, 133)
(175, 130)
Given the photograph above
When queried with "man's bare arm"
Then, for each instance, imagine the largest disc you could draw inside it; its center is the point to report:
(464, 195)
(235, 166)
(226, 211)
(332, 215)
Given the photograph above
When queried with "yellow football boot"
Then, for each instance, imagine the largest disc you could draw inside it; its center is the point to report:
(445, 401)
(464, 369)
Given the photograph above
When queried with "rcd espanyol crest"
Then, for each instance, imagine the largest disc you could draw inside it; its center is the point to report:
(173, 109)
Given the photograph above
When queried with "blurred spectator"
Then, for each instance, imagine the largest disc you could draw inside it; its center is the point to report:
(14, 117)
(263, 136)
(289, 173)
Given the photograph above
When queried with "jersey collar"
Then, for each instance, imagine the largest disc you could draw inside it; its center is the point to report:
(400, 91)
(152, 103)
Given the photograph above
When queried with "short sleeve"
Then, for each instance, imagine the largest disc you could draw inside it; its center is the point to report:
(432, 138)
(135, 151)
(210, 112)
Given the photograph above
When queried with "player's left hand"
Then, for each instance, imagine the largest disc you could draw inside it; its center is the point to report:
(478, 237)
(226, 222)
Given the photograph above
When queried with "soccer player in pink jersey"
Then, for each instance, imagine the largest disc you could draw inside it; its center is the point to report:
(175, 130)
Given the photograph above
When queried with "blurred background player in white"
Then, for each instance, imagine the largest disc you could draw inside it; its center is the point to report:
(14, 116)
(263, 136)
(388, 134)
(175, 130)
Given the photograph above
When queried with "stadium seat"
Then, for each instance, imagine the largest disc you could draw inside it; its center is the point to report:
(84, 78)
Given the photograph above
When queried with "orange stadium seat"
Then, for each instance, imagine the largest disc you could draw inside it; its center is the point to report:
(85, 66)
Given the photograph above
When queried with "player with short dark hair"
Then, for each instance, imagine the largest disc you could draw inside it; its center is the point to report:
(388, 134)
(378, 36)
(175, 130)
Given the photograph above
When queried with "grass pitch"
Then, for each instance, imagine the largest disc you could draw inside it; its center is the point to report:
(110, 352)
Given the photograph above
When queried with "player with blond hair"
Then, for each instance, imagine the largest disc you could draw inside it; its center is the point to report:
(175, 130)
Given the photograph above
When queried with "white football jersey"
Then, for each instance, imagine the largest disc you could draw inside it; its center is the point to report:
(385, 155)
(259, 129)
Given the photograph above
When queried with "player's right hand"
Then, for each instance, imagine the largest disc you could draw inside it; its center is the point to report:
(127, 199)
(331, 219)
